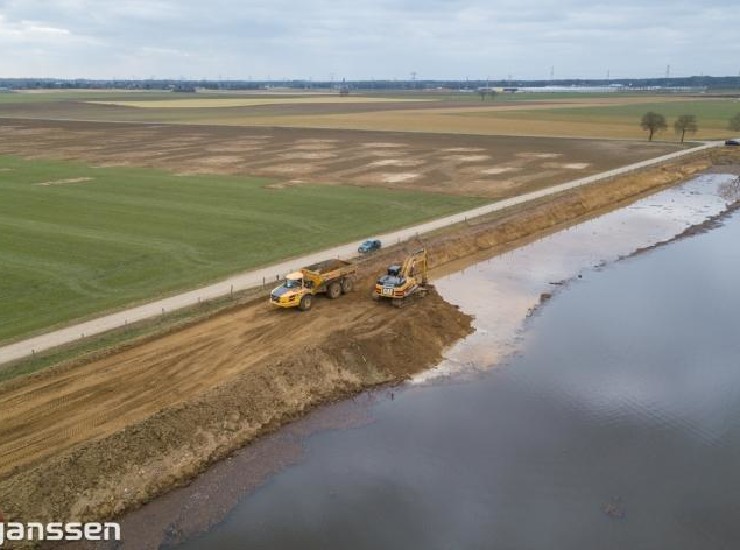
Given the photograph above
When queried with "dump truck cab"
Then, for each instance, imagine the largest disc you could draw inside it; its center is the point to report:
(289, 293)
(294, 281)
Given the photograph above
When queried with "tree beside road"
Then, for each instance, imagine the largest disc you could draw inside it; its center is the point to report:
(653, 122)
(686, 124)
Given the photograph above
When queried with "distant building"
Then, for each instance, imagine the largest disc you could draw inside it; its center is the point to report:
(184, 88)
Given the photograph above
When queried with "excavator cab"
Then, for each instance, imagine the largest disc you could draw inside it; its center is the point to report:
(392, 278)
(394, 271)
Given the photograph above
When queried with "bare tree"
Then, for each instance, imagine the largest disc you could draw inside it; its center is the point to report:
(734, 123)
(684, 124)
(653, 122)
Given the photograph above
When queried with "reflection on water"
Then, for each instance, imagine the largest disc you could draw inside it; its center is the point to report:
(502, 291)
(616, 426)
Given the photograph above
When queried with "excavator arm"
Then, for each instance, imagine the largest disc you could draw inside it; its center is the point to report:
(416, 266)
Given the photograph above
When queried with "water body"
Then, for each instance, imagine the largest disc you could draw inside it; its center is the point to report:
(608, 418)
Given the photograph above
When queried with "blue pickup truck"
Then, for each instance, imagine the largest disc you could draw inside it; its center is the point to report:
(369, 246)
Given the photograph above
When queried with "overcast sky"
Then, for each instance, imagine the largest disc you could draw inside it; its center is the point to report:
(361, 39)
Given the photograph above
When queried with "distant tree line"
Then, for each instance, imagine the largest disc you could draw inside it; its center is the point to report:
(707, 82)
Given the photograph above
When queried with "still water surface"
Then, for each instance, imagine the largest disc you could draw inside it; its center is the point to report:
(616, 425)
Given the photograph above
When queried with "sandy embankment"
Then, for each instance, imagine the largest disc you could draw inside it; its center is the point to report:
(93, 440)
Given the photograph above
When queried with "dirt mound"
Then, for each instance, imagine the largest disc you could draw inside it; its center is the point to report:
(371, 344)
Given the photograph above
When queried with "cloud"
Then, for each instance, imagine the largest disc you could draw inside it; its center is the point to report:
(369, 38)
(31, 32)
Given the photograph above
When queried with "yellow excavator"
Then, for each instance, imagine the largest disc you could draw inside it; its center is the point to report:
(401, 282)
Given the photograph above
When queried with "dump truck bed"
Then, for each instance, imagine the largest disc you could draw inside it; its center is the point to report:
(328, 266)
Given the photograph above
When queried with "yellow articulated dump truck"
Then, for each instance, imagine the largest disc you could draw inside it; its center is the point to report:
(332, 277)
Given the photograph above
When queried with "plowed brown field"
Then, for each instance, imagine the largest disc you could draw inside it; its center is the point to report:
(474, 165)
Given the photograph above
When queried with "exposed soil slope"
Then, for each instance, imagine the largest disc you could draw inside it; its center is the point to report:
(93, 440)
(90, 441)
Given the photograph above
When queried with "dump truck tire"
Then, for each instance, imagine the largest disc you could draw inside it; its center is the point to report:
(334, 290)
(305, 303)
(347, 285)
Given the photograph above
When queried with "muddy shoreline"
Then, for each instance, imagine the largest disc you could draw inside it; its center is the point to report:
(602, 432)
(118, 467)
(213, 500)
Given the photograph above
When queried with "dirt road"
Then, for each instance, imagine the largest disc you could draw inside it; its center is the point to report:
(254, 279)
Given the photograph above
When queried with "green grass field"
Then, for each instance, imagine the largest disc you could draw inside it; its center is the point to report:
(216, 103)
(713, 110)
(71, 247)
